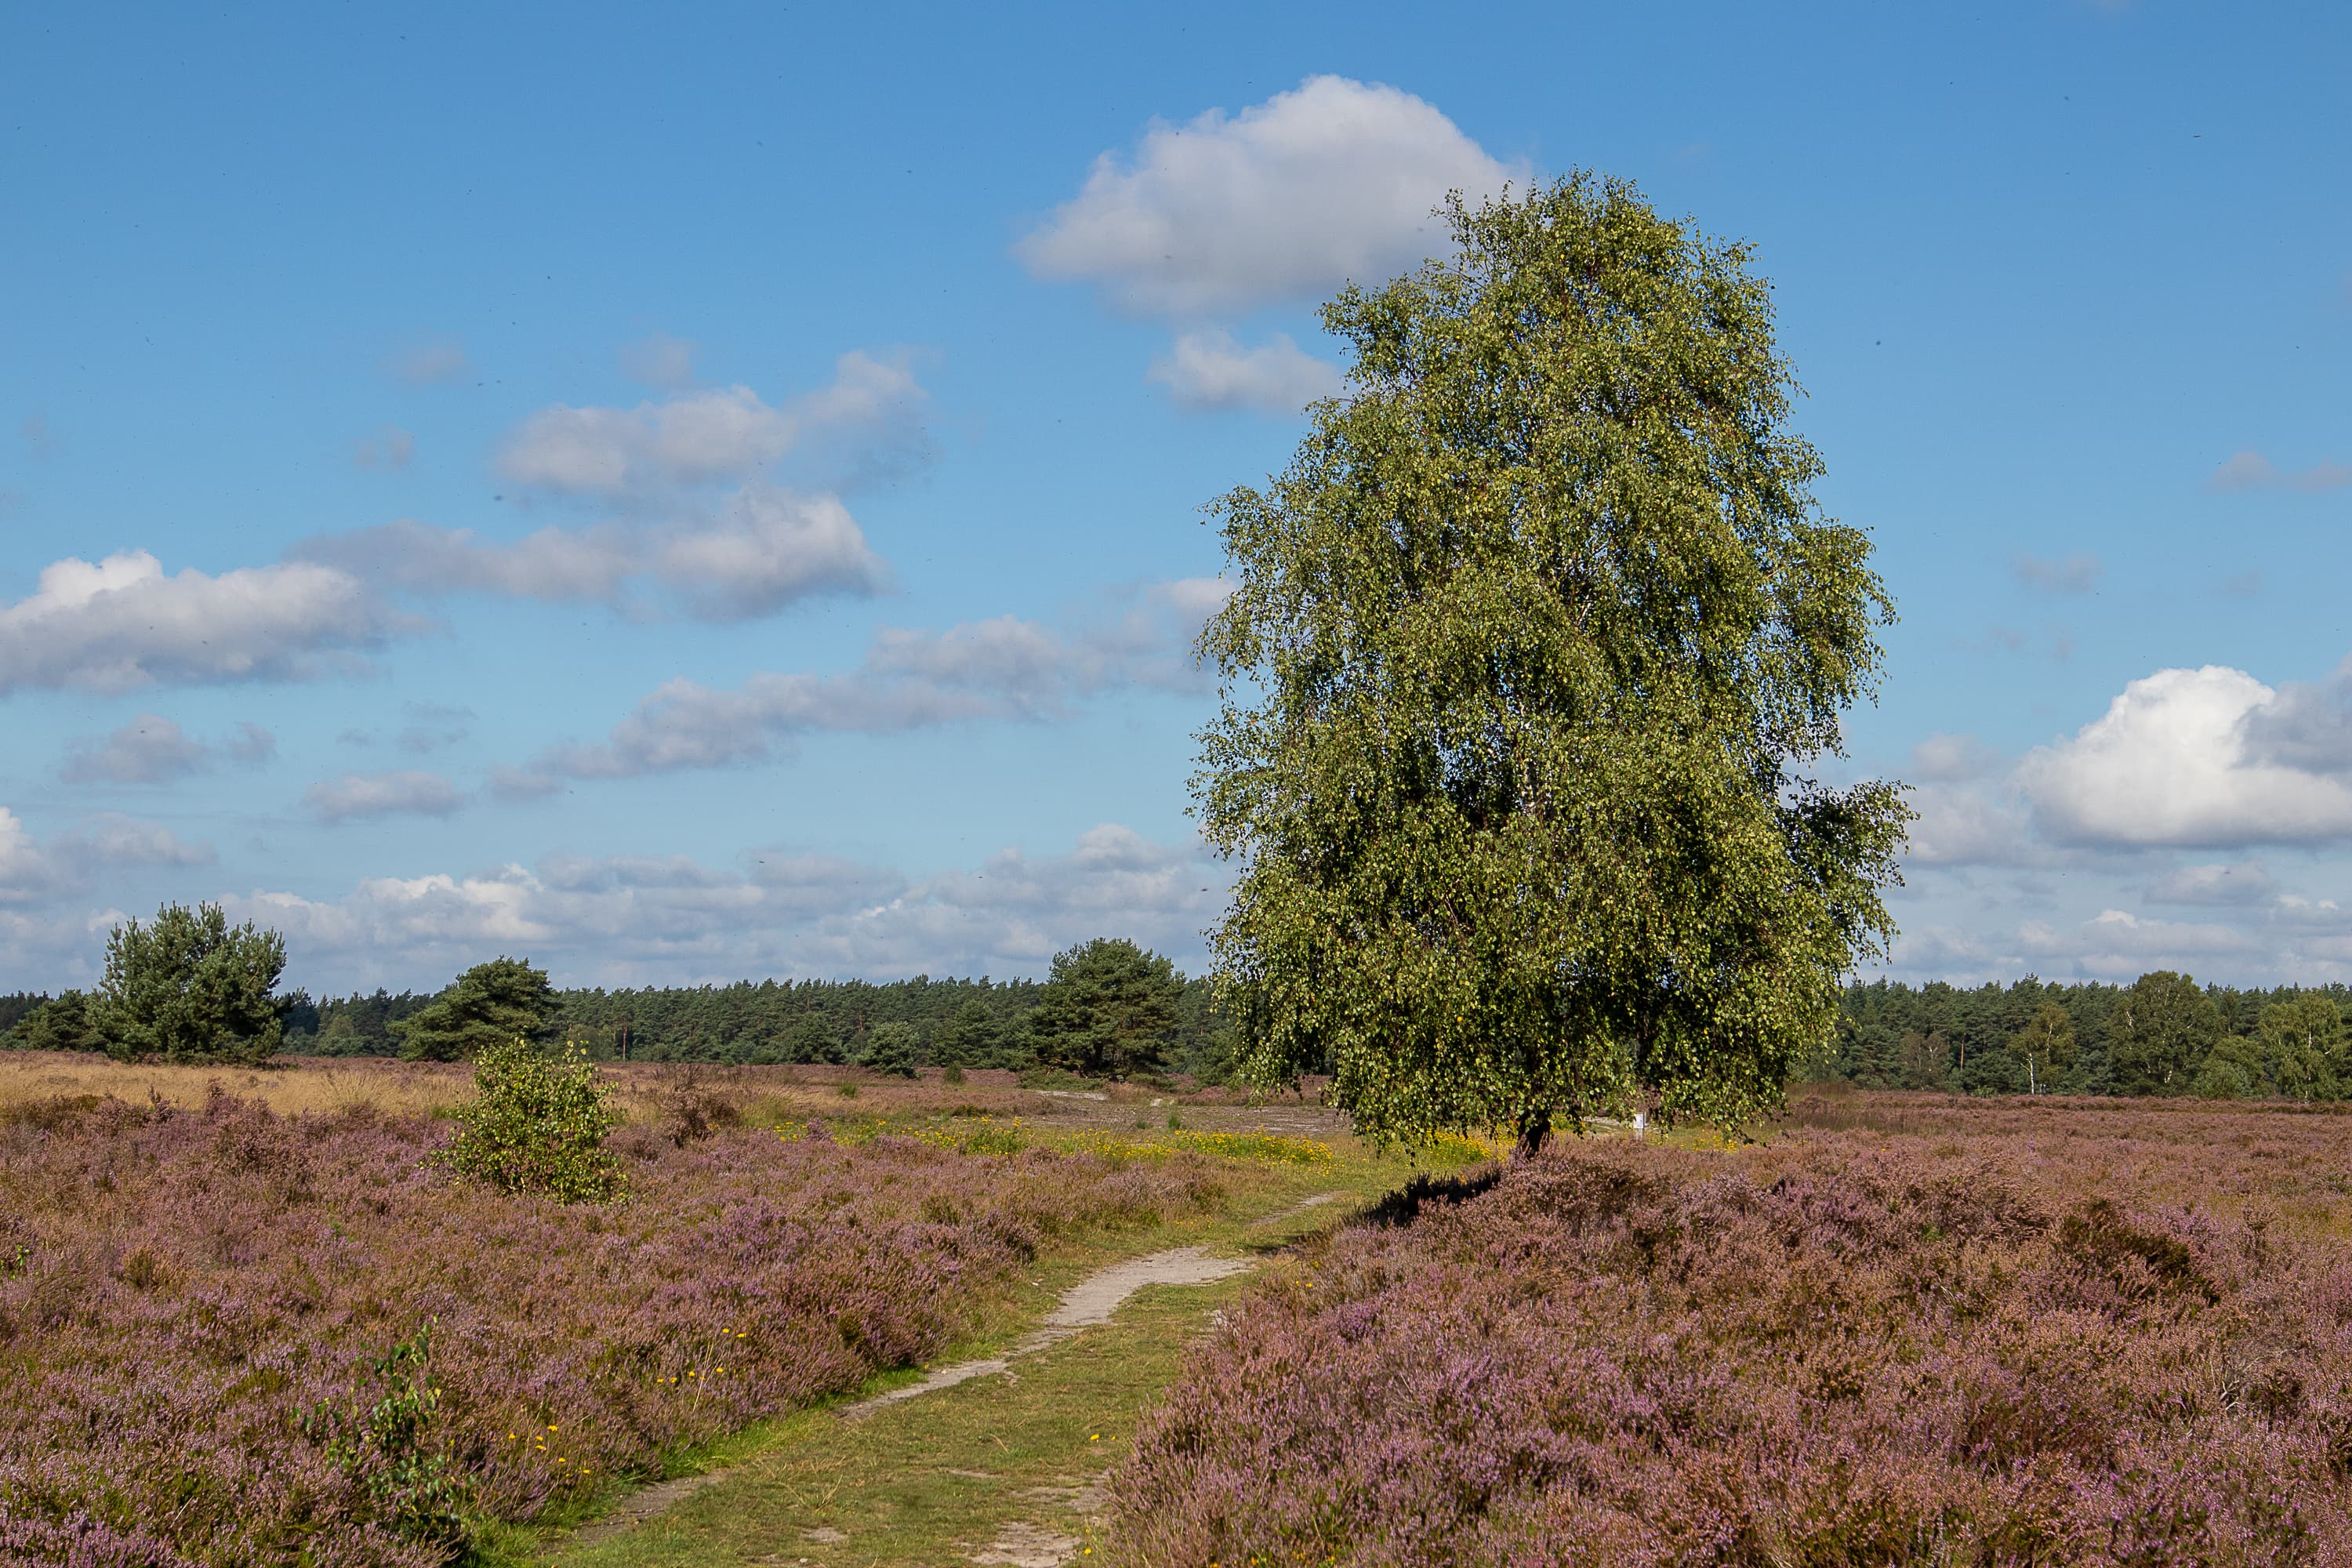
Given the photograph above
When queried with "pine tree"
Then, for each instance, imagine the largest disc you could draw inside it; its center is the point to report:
(1107, 1011)
(504, 1000)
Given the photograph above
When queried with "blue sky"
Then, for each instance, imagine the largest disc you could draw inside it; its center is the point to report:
(713, 492)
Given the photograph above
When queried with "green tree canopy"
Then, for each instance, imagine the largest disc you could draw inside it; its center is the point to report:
(538, 1124)
(1107, 1011)
(189, 987)
(19, 1005)
(60, 1023)
(2046, 1046)
(2160, 1032)
(1530, 651)
(2303, 1046)
(496, 1002)
(813, 1039)
(894, 1049)
(2232, 1069)
(971, 1038)
(342, 1036)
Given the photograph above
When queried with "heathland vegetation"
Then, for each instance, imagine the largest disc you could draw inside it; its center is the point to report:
(359, 1329)
(1903, 1330)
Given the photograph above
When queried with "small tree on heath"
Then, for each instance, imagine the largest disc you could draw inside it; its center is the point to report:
(491, 1003)
(190, 987)
(893, 1048)
(1530, 657)
(1107, 1011)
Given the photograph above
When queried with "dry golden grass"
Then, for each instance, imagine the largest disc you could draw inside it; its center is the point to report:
(655, 1093)
(304, 1084)
(646, 1092)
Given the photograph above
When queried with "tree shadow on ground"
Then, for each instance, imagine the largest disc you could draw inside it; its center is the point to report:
(1404, 1206)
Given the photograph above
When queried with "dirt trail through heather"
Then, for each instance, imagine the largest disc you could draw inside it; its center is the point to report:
(1092, 1300)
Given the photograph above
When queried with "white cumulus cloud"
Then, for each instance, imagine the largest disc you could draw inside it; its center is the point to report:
(715, 434)
(34, 872)
(2183, 757)
(693, 437)
(2249, 471)
(659, 360)
(432, 364)
(1952, 954)
(406, 792)
(1951, 759)
(766, 548)
(2074, 575)
(669, 919)
(1003, 668)
(152, 749)
(1331, 181)
(552, 563)
(392, 448)
(2245, 882)
(251, 745)
(1212, 370)
(111, 838)
(2117, 945)
(122, 623)
(2307, 726)
(29, 870)
(1964, 826)
(762, 549)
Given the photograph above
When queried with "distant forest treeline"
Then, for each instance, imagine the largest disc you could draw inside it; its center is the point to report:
(762, 1021)
(2161, 1035)
(749, 1022)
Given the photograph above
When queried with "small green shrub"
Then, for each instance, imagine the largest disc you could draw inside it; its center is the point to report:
(538, 1125)
(385, 1447)
(1175, 1122)
(849, 1091)
(952, 1076)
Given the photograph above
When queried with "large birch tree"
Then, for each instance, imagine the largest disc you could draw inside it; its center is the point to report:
(1535, 652)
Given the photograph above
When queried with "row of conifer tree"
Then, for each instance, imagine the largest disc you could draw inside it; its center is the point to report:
(2162, 1034)
(1111, 1005)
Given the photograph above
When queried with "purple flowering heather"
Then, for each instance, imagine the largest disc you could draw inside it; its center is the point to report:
(179, 1290)
(2002, 1336)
